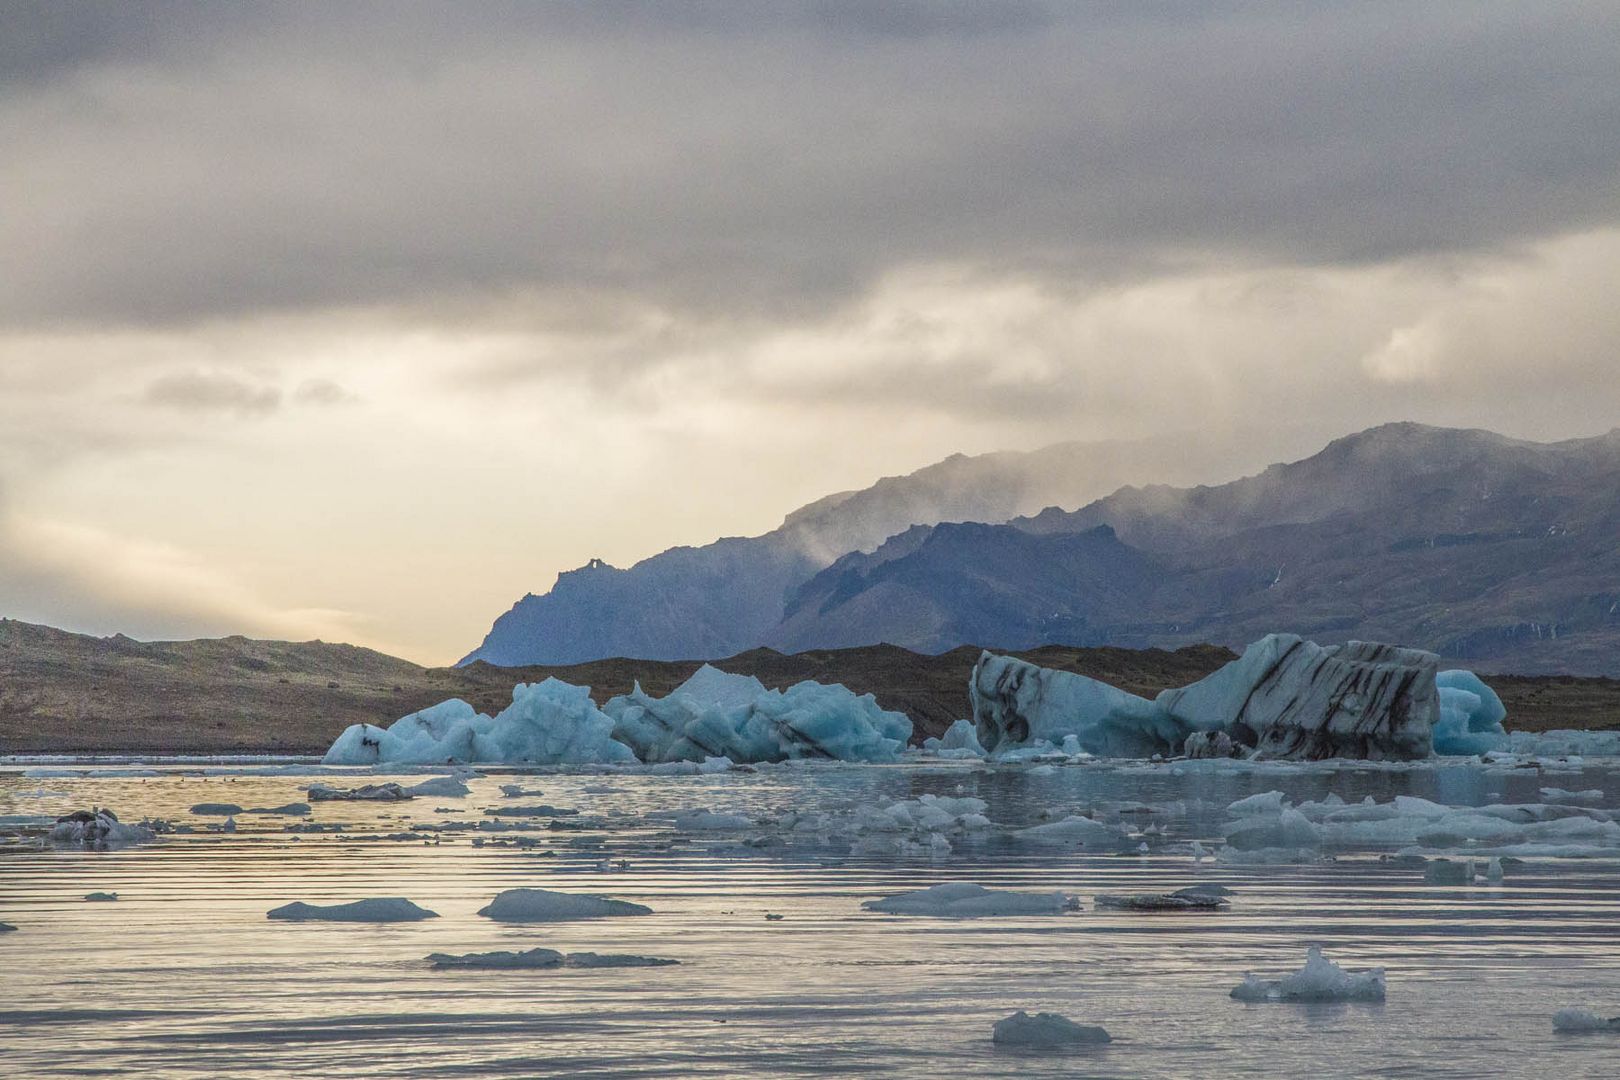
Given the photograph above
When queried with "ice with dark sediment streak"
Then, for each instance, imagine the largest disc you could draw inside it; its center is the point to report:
(544, 905)
(1161, 902)
(1045, 1031)
(965, 900)
(98, 830)
(1319, 980)
(1285, 698)
(377, 909)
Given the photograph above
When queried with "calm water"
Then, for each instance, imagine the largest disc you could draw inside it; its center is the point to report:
(184, 976)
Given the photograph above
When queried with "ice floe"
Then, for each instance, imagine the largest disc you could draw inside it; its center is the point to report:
(98, 830)
(544, 905)
(1583, 1020)
(1319, 980)
(389, 792)
(1045, 1031)
(1181, 900)
(377, 909)
(216, 809)
(101, 896)
(965, 900)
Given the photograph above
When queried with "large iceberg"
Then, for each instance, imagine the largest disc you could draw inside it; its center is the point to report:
(1284, 698)
(715, 714)
(711, 715)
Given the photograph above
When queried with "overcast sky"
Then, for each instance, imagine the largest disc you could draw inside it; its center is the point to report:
(358, 321)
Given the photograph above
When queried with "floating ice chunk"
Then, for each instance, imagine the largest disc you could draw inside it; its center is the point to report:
(615, 960)
(1447, 872)
(707, 821)
(389, 792)
(1319, 980)
(1559, 795)
(6, 928)
(292, 809)
(961, 739)
(1288, 829)
(529, 958)
(1471, 715)
(101, 896)
(213, 809)
(544, 905)
(1285, 697)
(1155, 902)
(965, 900)
(1073, 831)
(1269, 802)
(714, 714)
(97, 831)
(1044, 1030)
(1583, 1020)
(1017, 704)
(518, 791)
(442, 787)
(540, 810)
(1564, 743)
(377, 909)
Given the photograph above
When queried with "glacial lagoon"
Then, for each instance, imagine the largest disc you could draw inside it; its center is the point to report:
(756, 880)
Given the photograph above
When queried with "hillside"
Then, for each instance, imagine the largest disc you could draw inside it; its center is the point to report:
(68, 693)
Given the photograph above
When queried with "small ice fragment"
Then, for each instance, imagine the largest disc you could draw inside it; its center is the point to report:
(1160, 902)
(965, 900)
(293, 809)
(6, 928)
(771, 916)
(1447, 872)
(529, 958)
(1044, 1030)
(539, 810)
(441, 787)
(101, 896)
(1493, 870)
(1319, 980)
(1208, 888)
(518, 791)
(544, 905)
(216, 809)
(389, 792)
(379, 909)
(615, 960)
(1583, 1020)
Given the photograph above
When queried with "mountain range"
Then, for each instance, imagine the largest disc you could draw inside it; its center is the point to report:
(1500, 553)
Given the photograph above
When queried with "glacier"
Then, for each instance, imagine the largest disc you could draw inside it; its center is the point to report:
(1284, 698)
(713, 715)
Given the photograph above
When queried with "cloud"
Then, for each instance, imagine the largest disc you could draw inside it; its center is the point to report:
(212, 392)
(185, 164)
(323, 392)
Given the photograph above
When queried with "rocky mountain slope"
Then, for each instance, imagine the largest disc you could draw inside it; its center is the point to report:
(1494, 552)
(725, 597)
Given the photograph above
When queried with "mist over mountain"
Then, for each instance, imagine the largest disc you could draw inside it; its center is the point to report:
(1498, 552)
(724, 597)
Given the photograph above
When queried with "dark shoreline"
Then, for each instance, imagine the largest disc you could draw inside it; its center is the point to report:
(63, 693)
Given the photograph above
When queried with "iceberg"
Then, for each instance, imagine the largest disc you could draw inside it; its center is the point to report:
(503, 960)
(1285, 698)
(382, 909)
(712, 716)
(965, 900)
(544, 905)
(1044, 1030)
(716, 714)
(1319, 980)
(961, 740)
(548, 723)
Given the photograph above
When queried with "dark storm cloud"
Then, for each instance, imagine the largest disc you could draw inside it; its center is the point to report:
(179, 162)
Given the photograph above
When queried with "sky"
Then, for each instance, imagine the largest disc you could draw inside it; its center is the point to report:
(359, 321)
